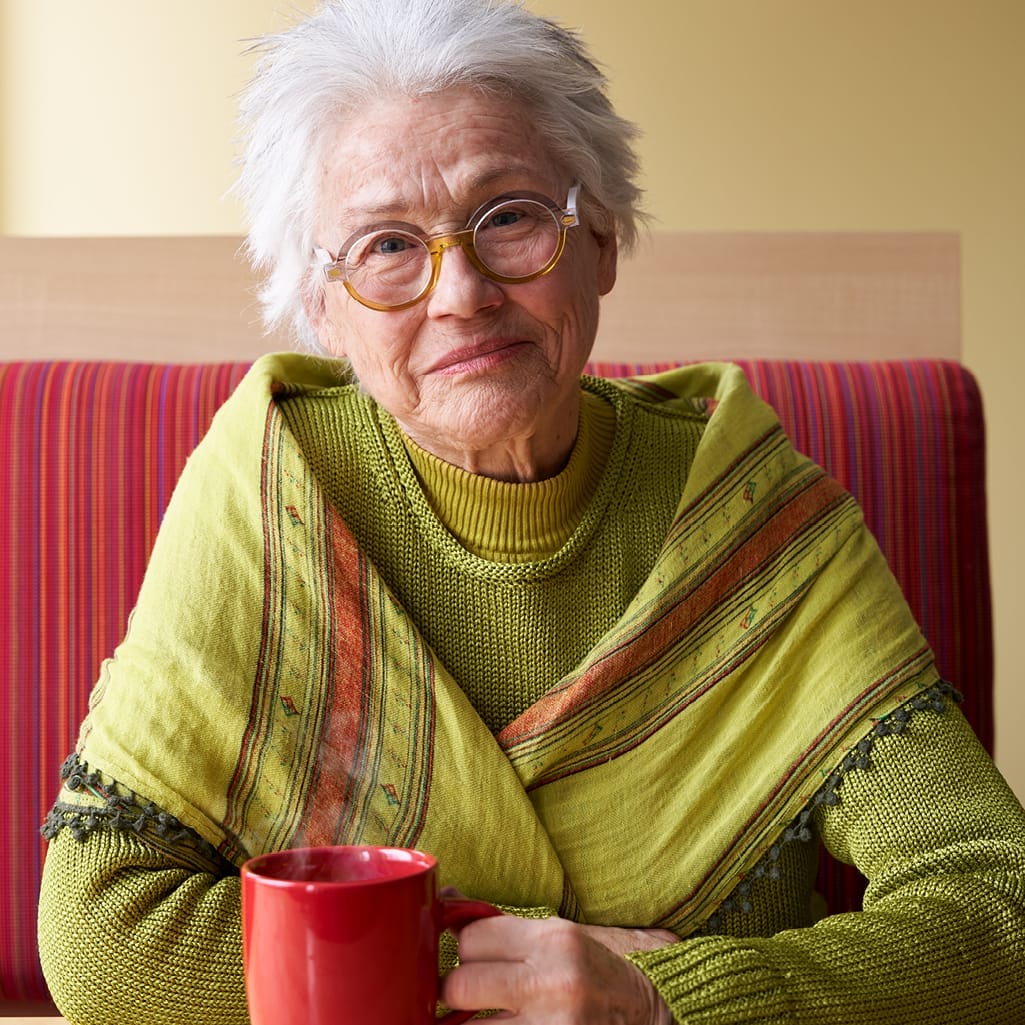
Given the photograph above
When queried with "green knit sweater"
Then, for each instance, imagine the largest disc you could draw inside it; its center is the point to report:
(145, 927)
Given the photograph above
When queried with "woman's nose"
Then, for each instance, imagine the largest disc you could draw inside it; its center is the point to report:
(461, 289)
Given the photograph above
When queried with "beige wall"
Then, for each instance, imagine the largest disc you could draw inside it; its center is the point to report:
(116, 117)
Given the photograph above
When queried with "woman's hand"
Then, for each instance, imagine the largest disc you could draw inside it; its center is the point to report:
(555, 972)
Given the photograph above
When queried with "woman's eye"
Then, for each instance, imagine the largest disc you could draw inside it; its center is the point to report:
(505, 218)
(384, 247)
(390, 245)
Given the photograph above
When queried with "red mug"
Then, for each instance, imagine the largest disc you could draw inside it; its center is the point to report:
(339, 934)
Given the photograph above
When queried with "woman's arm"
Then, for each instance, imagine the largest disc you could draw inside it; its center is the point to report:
(941, 839)
(139, 918)
(942, 938)
(930, 822)
(128, 935)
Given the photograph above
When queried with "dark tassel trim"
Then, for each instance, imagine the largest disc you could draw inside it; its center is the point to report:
(934, 699)
(122, 809)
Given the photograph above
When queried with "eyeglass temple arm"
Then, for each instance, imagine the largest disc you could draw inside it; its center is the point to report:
(569, 215)
(329, 264)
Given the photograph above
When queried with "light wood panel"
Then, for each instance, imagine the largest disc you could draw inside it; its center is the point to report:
(786, 295)
(681, 296)
(177, 299)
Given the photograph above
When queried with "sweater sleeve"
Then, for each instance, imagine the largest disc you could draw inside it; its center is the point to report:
(135, 932)
(941, 839)
(130, 935)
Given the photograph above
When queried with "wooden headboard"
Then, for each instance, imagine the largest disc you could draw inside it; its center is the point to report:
(682, 295)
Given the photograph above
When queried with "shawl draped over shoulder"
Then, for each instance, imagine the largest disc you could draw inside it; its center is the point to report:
(271, 692)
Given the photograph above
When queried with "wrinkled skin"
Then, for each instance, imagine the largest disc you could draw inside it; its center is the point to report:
(555, 972)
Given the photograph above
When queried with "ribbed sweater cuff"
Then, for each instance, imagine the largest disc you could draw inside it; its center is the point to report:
(715, 979)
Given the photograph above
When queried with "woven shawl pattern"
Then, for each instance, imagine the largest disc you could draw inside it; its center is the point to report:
(334, 679)
(907, 440)
(90, 453)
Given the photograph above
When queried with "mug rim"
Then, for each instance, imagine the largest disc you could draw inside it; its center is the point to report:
(416, 861)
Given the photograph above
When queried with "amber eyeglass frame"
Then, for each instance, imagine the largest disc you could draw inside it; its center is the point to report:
(334, 266)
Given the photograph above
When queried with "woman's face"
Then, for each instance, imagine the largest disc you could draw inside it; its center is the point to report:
(483, 375)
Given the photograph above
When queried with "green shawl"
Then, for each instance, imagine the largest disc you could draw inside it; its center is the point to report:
(271, 692)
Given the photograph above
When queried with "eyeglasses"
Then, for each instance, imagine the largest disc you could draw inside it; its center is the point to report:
(514, 238)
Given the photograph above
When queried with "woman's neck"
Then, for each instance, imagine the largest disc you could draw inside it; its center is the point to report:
(519, 522)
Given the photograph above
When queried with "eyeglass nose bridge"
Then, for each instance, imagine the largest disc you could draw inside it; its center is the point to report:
(436, 247)
(464, 240)
(439, 243)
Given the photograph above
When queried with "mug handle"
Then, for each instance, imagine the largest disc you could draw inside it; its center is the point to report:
(455, 913)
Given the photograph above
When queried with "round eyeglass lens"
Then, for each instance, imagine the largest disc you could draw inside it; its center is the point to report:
(388, 267)
(517, 238)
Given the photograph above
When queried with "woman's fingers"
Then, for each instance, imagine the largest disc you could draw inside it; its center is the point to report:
(550, 971)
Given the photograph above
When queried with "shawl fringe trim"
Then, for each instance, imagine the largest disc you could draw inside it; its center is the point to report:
(122, 809)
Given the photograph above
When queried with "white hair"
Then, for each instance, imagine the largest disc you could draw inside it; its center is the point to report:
(330, 65)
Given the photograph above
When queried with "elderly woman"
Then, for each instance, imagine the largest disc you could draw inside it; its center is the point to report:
(612, 651)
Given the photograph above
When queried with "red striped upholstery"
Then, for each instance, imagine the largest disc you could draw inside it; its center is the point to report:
(90, 452)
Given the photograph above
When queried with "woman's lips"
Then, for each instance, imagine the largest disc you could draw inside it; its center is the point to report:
(474, 358)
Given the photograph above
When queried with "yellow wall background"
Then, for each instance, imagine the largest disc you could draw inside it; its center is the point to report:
(117, 117)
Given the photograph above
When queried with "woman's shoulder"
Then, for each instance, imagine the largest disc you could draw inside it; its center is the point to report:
(694, 389)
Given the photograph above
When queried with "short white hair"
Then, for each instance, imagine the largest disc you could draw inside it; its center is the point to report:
(333, 63)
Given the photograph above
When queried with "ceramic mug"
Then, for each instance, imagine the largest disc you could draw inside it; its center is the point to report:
(340, 934)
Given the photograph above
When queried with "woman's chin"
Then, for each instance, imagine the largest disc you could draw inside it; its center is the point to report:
(484, 432)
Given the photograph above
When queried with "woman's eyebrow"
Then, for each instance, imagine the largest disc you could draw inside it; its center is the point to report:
(375, 212)
(501, 174)
(506, 176)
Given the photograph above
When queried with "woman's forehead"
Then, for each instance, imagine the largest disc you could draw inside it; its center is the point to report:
(433, 154)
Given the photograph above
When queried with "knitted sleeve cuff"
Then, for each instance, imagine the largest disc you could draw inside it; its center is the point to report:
(715, 979)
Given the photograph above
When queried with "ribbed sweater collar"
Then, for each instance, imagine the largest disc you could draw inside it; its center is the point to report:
(509, 522)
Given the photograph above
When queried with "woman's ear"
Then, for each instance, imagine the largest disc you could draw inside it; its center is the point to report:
(608, 259)
(314, 299)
